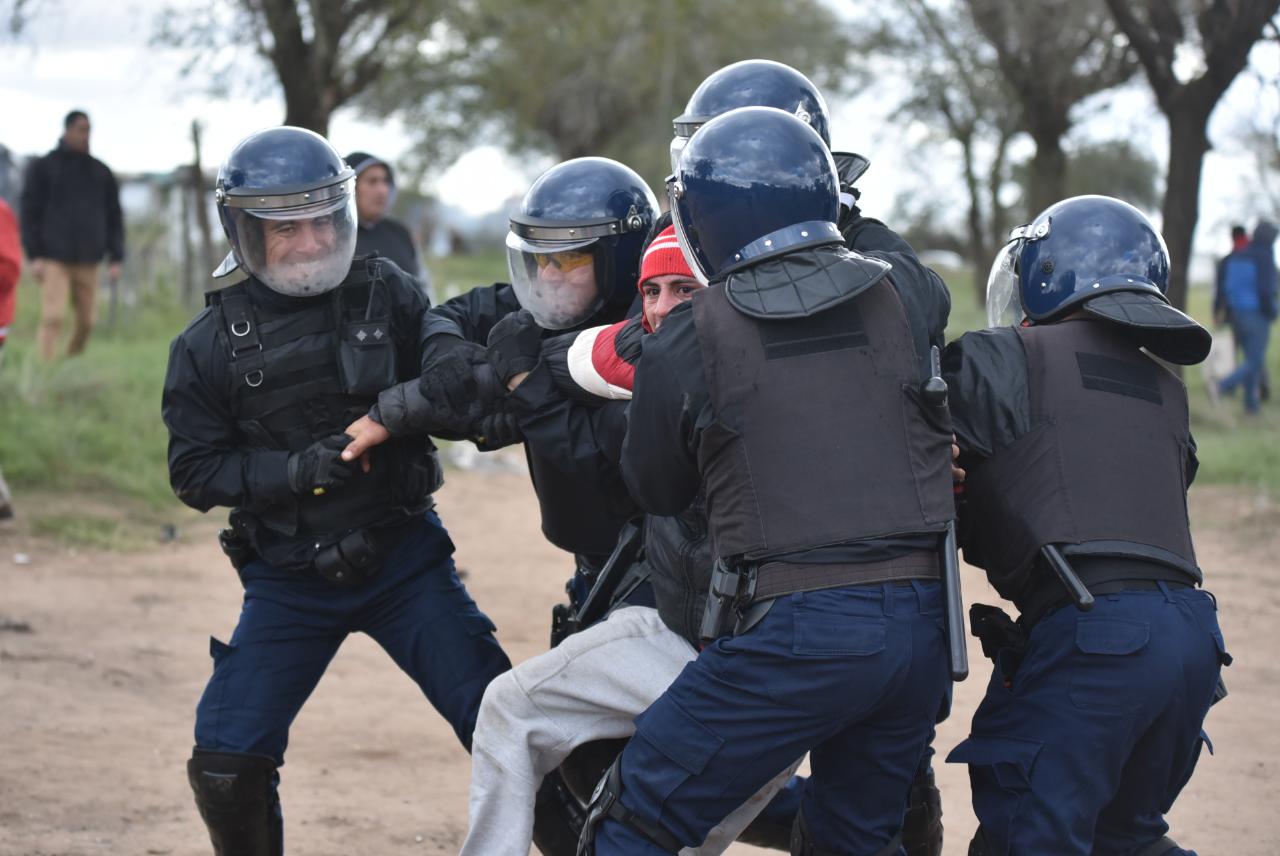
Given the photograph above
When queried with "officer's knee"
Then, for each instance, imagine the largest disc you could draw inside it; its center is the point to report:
(606, 803)
(236, 796)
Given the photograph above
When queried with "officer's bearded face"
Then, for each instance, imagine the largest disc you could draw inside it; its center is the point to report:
(661, 294)
(373, 192)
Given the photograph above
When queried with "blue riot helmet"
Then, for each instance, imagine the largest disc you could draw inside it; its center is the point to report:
(1099, 255)
(287, 204)
(752, 184)
(750, 83)
(574, 245)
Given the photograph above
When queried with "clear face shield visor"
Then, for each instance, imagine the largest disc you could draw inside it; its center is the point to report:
(1004, 296)
(557, 281)
(298, 251)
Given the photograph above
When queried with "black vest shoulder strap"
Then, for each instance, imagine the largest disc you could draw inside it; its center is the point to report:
(241, 328)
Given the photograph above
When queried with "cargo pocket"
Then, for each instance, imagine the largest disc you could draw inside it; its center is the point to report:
(1000, 771)
(821, 634)
(680, 745)
(1104, 679)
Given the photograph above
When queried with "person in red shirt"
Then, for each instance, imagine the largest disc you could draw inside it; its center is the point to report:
(10, 268)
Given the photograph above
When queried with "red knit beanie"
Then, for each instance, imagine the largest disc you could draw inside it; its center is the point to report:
(663, 257)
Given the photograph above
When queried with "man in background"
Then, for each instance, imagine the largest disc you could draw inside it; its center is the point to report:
(1248, 283)
(376, 232)
(71, 219)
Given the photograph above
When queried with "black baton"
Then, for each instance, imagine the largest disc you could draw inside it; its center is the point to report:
(1080, 595)
(935, 395)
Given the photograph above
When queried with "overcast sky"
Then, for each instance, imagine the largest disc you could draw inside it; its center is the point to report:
(96, 56)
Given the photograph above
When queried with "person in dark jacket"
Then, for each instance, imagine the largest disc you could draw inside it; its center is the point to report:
(258, 389)
(823, 631)
(378, 233)
(1249, 292)
(1079, 455)
(71, 220)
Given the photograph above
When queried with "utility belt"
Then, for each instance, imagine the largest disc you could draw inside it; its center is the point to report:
(349, 561)
(741, 595)
(1095, 575)
(1099, 575)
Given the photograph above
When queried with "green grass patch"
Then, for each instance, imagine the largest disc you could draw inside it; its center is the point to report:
(91, 423)
(453, 275)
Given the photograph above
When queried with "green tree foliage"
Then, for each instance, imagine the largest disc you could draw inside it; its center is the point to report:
(595, 77)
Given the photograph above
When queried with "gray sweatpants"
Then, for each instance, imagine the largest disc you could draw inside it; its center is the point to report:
(590, 687)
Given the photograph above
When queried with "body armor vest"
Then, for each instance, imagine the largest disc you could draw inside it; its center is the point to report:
(304, 374)
(678, 553)
(820, 435)
(1102, 471)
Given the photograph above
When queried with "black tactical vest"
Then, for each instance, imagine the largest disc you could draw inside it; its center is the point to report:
(678, 553)
(1102, 472)
(304, 374)
(819, 435)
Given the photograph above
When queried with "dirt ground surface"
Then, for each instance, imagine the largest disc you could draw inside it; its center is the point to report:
(103, 657)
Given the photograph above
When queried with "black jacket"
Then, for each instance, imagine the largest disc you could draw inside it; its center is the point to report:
(71, 209)
(390, 240)
(572, 448)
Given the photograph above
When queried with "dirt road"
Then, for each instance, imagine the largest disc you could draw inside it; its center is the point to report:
(103, 656)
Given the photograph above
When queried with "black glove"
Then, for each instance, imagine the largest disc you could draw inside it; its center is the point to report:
(458, 378)
(996, 630)
(320, 466)
(497, 430)
(515, 343)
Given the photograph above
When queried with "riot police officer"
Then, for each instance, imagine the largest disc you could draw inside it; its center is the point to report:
(573, 253)
(259, 388)
(1079, 455)
(797, 410)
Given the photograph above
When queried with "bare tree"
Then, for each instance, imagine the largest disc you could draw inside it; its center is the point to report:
(1163, 35)
(957, 89)
(1053, 54)
(324, 53)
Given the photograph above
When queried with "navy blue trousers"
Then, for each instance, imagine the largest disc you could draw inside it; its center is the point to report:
(1083, 746)
(855, 676)
(291, 626)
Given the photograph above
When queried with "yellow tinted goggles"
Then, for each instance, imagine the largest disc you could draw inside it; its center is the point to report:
(566, 260)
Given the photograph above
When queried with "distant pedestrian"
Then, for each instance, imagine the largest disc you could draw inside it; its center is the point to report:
(1249, 292)
(377, 233)
(10, 269)
(71, 219)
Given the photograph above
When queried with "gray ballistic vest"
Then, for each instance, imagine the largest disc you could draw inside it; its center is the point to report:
(819, 436)
(1103, 468)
